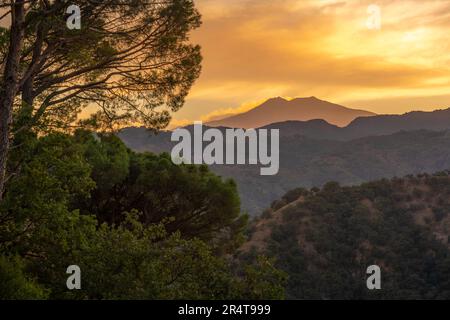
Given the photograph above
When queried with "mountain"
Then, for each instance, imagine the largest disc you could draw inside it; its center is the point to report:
(387, 124)
(303, 109)
(325, 239)
(316, 129)
(314, 152)
(309, 162)
(437, 120)
(141, 140)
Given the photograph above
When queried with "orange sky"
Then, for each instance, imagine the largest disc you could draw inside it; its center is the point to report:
(256, 49)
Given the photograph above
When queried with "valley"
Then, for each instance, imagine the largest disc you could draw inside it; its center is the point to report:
(315, 152)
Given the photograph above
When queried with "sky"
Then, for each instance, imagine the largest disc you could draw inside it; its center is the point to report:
(332, 49)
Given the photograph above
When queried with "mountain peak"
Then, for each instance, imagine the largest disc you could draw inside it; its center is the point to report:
(279, 109)
(275, 100)
(281, 99)
(310, 99)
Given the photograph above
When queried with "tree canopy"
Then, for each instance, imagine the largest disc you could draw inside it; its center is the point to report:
(63, 210)
(325, 239)
(131, 61)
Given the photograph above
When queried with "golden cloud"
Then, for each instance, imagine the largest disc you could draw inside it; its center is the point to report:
(257, 49)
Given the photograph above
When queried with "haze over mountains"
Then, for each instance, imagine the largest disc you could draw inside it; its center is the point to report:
(366, 126)
(315, 152)
(302, 109)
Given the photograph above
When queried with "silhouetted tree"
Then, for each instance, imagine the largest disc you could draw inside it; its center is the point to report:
(131, 60)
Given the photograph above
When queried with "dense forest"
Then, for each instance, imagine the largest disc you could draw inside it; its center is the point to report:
(127, 221)
(324, 239)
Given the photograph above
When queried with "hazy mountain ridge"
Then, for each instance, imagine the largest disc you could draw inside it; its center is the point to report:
(438, 120)
(308, 162)
(300, 109)
(315, 152)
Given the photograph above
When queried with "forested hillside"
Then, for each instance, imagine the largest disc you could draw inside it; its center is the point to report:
(326, 238)
(127, 221)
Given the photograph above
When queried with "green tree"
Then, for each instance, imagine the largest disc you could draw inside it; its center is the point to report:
(14, 284)
(43, 230)
(132, 60)
(191, 199)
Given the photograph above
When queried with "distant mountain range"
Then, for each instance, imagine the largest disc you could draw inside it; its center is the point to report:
(306, 162)
(315, 152)
(367, 126)
(300, 109)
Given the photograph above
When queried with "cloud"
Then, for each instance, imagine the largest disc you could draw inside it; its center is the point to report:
(257, 49)
(176, 123)
(217, 114)
(267, 42)
(389, 105)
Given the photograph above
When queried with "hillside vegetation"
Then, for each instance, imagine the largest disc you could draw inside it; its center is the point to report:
(127, 221)
(324, 239)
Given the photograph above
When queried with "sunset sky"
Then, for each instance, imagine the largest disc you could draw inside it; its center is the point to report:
(257, 49)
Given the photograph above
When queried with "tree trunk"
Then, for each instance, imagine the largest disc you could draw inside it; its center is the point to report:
(10, 85)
